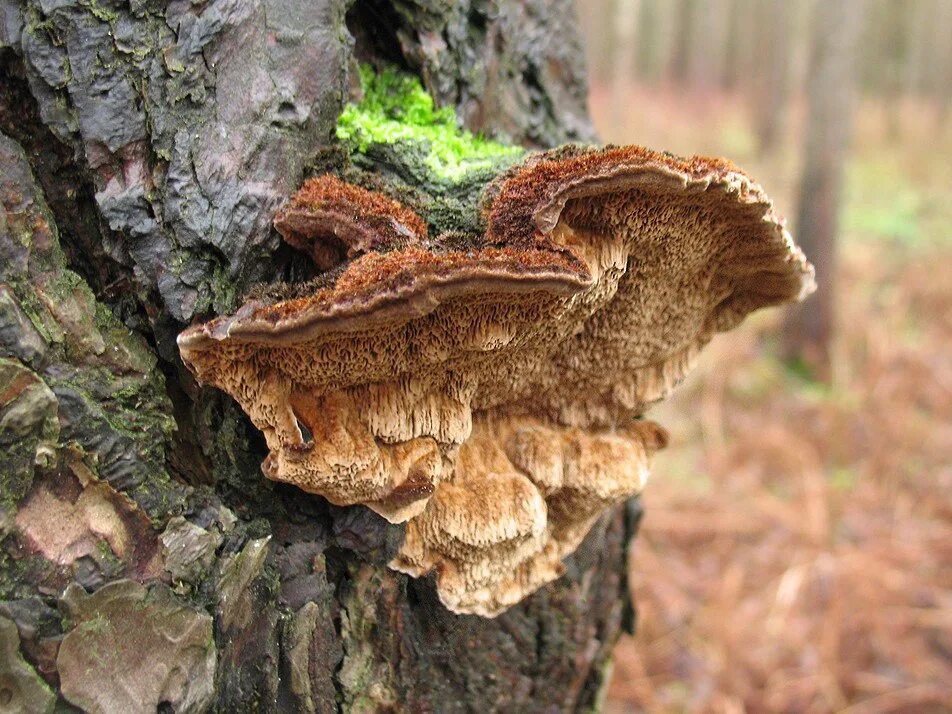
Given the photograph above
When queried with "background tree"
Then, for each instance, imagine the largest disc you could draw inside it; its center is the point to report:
(682, 27)
(809, 328)
(774, 86)
(145, 561)
(627, 15)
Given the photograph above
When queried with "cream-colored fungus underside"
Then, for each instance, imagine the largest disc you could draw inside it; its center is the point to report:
(522, 497)
(502, 424)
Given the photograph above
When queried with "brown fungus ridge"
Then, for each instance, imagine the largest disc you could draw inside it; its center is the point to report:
(526, 201)
(332, 221)
(492, 396)
(679, 249)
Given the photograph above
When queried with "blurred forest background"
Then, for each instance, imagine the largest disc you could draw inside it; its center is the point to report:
(796, 555)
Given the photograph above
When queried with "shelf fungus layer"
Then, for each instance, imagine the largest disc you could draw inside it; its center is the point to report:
(490, 388)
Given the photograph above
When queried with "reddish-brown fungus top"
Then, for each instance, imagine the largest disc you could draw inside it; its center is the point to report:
(523, 207)
(334, 220)
(528, 190)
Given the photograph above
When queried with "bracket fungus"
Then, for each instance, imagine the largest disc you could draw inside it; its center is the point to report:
(489, 386)
(492, 395)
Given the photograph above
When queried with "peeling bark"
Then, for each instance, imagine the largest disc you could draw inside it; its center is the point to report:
(144, 149)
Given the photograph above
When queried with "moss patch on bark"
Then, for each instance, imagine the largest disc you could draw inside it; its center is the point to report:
(395, 109)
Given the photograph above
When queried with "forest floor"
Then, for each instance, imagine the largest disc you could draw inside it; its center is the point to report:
(796, 552)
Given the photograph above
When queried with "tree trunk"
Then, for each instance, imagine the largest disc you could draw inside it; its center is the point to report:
(808, 330)
(736, 45)
(683, 27)
(708, 44)
(942, 49)
(145, 562)
(773, 91)
(623, 64)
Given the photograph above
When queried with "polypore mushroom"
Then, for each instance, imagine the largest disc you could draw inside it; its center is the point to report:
(492, 392)
(332, 220)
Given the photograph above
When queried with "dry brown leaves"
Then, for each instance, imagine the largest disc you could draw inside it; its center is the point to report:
(796, 555)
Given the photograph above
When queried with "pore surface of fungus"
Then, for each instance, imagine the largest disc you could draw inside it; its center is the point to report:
(490, 389)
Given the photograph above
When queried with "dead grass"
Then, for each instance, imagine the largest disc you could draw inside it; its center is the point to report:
(796, 555)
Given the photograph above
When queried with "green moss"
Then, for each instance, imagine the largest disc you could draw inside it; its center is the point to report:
(396, 109)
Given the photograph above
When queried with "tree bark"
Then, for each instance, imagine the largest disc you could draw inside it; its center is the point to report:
(808, 330)
(145, 562)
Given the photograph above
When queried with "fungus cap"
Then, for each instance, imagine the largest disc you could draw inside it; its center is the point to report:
(332, 221)
(422, 371)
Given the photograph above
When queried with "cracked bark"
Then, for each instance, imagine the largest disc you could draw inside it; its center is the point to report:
(144, 148)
